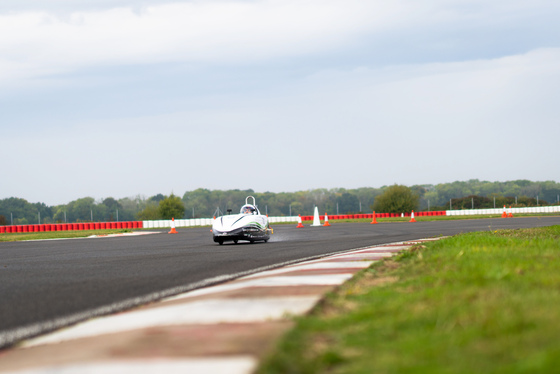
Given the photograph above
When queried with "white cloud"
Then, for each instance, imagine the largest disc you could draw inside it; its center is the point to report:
(39, 42)
(443, 89)
(350, 122)
(488, 119)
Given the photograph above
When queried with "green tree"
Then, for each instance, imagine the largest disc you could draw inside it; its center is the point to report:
(58, 215)
(348, 203)
(297, 208)
(396, 199)
(23, 211)
(150, 212)
(111, 206)
(131, 206)
(156, 198)
(81, 210)
(171, 207)
(200, 202)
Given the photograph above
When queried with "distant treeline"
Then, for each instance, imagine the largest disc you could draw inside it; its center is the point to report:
(207, 203)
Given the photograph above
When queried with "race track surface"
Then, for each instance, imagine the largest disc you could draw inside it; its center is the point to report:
(47, 284)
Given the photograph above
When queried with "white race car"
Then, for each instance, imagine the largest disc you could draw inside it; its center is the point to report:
(248, 225)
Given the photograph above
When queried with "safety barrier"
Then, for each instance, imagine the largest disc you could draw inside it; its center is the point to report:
(208, 221)
(377, 215)
(48, 227)
(199, 222)
(499, 211)
(204, 222)
(282, 219)
(178, 223)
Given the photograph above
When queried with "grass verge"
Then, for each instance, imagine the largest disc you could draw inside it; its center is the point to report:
(477, 302)
(13, 237)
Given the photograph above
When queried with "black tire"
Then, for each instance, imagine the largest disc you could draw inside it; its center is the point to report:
(220, 242)
(235, 241)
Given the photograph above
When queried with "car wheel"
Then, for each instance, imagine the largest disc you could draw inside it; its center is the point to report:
(235, 241)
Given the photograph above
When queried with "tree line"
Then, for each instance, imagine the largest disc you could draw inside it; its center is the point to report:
(207, 203)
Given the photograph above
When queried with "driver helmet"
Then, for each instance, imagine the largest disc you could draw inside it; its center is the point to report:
(247, 209)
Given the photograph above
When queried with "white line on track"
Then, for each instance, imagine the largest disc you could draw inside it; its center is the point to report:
(229, 365)
(124, 234)
(303, 280)
(197, 312)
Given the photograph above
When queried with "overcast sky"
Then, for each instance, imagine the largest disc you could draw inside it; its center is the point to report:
(115, 98)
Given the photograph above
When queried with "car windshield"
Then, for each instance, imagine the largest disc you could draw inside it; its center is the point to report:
(248, 209)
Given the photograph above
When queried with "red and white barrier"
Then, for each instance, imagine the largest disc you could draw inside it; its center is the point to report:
(48, 227)
(499, 211)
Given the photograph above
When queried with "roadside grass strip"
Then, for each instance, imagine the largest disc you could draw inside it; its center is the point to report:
(478, 302)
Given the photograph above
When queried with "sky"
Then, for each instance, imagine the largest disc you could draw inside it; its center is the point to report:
(119, 98)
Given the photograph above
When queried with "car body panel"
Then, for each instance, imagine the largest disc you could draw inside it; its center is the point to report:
(251, 226)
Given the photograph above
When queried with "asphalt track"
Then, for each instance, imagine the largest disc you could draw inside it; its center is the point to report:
(48, 284)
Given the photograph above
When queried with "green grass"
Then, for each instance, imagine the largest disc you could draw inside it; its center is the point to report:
(13, 237)
(479, 302)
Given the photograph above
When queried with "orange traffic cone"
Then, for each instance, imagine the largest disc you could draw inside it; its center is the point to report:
(173, 231)
(299, 224)
(373, 221)
(412, 217)
(504, 214)
(510, 215)
(326, 220)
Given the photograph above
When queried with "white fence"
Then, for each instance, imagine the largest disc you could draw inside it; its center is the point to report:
(202, 222)
(499, 211)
